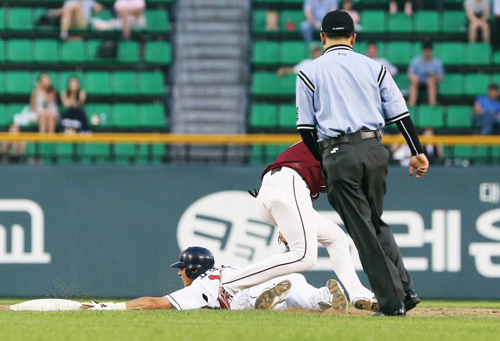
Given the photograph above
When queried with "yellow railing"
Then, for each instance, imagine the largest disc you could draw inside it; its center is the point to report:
(243, 139)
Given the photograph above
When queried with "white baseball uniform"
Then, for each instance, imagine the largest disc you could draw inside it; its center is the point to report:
(202, 293)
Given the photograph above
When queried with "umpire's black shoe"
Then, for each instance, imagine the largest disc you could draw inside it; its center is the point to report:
(400, 312)
(411, 300)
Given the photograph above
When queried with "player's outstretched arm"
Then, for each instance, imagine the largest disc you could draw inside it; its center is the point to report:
(149, 303)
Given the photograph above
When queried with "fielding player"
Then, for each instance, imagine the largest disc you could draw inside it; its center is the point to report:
(201, 285)
(284, 199)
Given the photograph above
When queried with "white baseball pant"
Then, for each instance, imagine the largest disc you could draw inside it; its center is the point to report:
(284, 201)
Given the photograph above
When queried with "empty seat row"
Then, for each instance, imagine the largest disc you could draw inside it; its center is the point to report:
(24, 19)
(110, 116)
(376, 21)
(95, 83)
(97, 153)
(397, 52)
(54, 51)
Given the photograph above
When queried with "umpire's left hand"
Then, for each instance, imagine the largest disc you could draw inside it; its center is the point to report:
(420, 164)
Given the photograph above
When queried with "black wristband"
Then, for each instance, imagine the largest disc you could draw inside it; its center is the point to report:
(310, 140)
(407, 128)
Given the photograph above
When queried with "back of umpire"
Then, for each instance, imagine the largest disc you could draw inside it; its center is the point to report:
(343, 100)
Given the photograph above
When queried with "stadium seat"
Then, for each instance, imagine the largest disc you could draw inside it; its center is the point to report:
(125, 153)
(152, 83)
(399, 53)
(476, 84)
(98, 153)
(290, 21)
(19, 50)
(399, 23)
(73, 52)
(152, 153)
(430, 117)
(257, 155)
(157, 21)
(259, 21)
(152, 116)
(5, 120)
(427, 22)
(98, 83)
(450, 53)
(293, 52)
(264, 83)
(459, 116)
(286, 84)
(287, 114)
(452, 85)
(125, 116)
(263, 116)
(129, 52)
(478, 54)
(19, 19)
(104, 111)
(65, 152)
(453, 21)
(158, 52)
(402, 81)
(2, 19)
(125, 83)
(266, 52)
(478, 154)
(18, 82)
(46, 51)
(373, 21)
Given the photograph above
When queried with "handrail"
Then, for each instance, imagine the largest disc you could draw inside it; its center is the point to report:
(241, 139)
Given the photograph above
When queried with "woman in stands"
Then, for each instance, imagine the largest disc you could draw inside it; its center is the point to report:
(131, 12)
(478, 14)
(43, 103)
(73, 100)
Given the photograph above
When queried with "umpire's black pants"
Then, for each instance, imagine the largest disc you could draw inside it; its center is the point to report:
(355, 177)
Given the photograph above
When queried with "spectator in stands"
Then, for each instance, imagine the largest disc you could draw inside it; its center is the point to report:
(315, 10)
(408, 6)
(487, 111)
(348, 7)
(425, 73)
(13, 152)
(73, 100)
(43, 103)
(131, 13)
(402, 153)
(373, 54)
(478, 14)
(316, 51)
(76, 14)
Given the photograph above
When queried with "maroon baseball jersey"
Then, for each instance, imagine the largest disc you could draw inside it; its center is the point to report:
(299, 158)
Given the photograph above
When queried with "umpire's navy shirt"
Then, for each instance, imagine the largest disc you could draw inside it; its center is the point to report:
(343, 92)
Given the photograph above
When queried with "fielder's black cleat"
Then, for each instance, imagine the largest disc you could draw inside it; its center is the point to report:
(411, 300)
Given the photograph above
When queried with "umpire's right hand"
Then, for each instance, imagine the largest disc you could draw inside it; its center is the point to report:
(420, 164)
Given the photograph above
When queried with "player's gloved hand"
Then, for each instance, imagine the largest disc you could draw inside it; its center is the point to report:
(420, 164)
(253, 192)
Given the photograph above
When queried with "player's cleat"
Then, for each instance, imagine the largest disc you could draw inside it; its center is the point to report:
(339, 301)
(411, 300)
(401, 312)
(269, 298)
(224, 299)
(366, 304)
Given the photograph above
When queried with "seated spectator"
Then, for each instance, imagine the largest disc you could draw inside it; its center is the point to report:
(315, 10)
(408, 6)
(478, 14)
(13, 152)
(347, 6)
(373, 54)
(425, 73)
(131, 13)
(73, 100)
(76, 14)
(487, 111)
(316, 52)
(43, 103)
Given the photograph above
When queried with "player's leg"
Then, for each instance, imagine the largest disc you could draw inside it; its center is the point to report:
(286, 197)
(331, 236)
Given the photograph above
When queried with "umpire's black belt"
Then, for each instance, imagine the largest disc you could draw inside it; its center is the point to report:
(349, 138)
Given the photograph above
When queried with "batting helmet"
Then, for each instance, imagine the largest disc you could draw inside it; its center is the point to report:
(196, 260)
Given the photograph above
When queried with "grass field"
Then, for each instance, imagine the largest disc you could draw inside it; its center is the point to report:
(483, 323)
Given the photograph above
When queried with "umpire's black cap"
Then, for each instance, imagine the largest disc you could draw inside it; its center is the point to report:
(337, 22)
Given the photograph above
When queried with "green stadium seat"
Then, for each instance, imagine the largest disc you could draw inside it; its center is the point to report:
(286, 84)
(373, 21)
(459, 116)
(259, 21)
(5, 121)
(47, 151)
(478, 54)
(19, 19)
(65, 152)
(2, 51)
(293, 52)
(257, 155)
(452, 85)
(453, 21)
(478, 154)
(98, 153)
(263, 116)
(402, 81)
(476, 84)
(125, 153)
(450, 53)
(157, 21)
(98, 83)
(273, 151)
(158, 52)
(265, 83)
(92, 51)
(73, 52)
(430, 117)
(125, 116)
(125, 83)
(129, 52)
(427, 22)
(399, 52)
(153, 153)
(2, 82)
(19, 50)
(104, 111)
(46, 51)
(2, 19)
(495, 154)
(152, 83)
(287, 114)
(290, 21)
(18, 82)
(266, 52)
(361, 47)
(399, 23)
(152, 116)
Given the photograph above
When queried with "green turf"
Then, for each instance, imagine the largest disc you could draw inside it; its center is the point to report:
(249, 325)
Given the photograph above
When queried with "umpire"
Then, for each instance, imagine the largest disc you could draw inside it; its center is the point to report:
(343, 100)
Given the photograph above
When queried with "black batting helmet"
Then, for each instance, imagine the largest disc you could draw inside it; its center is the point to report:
(196, 260)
